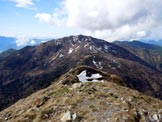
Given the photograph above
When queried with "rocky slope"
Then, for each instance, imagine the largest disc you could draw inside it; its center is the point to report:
(34, 68)
(150, 53)
(6, 53)
(102, 98)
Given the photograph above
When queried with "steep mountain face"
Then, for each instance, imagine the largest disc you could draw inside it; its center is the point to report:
(150, 53)
(33, 68)
(6, 53)
(72, 99)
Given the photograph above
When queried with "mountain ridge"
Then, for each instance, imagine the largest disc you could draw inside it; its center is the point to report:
(148, 52)
(35, 67)
(102, 101)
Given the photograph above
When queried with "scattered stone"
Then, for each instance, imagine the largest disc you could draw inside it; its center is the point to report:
(74, 116)
(155, 118)
(130, 99)
(70, 117)
(8, 116)
(66, 117)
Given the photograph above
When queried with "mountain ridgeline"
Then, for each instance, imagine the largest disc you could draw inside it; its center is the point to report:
(85, 94)
(6, 53)
(35, 67)
(150, 53)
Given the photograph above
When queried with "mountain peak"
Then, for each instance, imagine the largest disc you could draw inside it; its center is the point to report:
(33, 68)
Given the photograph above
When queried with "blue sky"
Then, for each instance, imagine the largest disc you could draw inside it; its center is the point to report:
(17, 21)
(106, 19)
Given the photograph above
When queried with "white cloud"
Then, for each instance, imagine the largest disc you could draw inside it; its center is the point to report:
(50, 19)
(43, 41)
(24, 40)
(141, 34)
(32, 42)
(23, 3)
(44, 17)
(58, 18)
(107, 19)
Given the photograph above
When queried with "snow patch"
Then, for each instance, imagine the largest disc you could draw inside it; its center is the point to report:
(58, 42)
(99, 49)
(58, 55)
(93, 78)
(91, 48)
(73, 42)
(76, 49)
(86, 45)
(75, 38)
(107, 48)
(70, 51)
(61, 55)
(54, 58)
(94, 62)
(86, 40)
(114, 68)
(98, 65)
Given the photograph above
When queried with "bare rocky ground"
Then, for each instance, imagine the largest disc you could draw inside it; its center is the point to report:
(68, 100)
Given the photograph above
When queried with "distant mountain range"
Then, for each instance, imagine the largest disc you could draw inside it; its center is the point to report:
(156, 42)
(7, 43)
(10, 42)
(150, 53)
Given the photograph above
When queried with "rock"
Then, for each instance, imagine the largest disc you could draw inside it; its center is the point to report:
(122, 98)
(155, 118)
(66, 117)
(70, 117)
(8, 116)
(74, 116)
(130, 99)
(76, 85)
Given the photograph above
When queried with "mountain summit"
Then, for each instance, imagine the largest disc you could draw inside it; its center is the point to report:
(85, 94)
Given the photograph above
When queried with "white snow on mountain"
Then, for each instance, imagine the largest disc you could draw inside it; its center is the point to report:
(70, 51)
(97, 64)
(93, 78)
(61, 55)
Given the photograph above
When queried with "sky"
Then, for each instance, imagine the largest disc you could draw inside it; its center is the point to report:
(106, 19)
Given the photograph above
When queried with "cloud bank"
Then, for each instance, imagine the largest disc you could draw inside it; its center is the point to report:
(107, 19)
(23, 3)
(24, 40)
